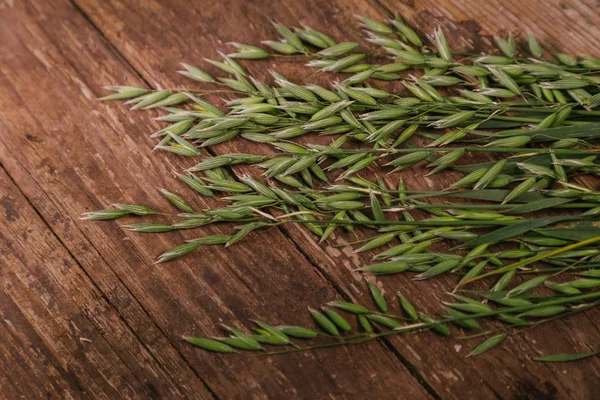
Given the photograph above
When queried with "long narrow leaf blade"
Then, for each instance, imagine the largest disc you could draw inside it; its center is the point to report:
(511, 231)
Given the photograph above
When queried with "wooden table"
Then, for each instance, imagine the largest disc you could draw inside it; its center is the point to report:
(84, 311)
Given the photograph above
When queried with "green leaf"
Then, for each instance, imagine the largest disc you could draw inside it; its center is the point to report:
(511, 231)
(588, 131)
(576, 232)
(538, 205)
(495, 195)
(567, 357)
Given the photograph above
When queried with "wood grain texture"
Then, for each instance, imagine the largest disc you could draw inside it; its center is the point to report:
(68, 153)
(60, 335)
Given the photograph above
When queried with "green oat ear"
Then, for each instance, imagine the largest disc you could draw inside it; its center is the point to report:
(534, 120)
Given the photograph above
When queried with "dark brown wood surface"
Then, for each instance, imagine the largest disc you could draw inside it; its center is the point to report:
(84, 312)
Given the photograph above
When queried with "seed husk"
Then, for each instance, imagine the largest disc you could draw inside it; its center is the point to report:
(488, 344)
(473, 272)
(322, 123)
(527, 286)
(593, 273)
(534, 46)
(324, 323)
(250, 343)
(489, 175)
(536, 170)
(237, 343)
(377, 296)
(505, 80)
(337, 319)
(437, 328)
(494, 60)
(385, 131)
(409, 159)
(323, 93)
(418, 257)
(360, 165)
(150, 227)
(376, 207)
(408, 308)
(384, 321)
(471, 308)
(104, 215)
(515, 141)
(299, 165)
(446, 161)
(265, 338)
(542, 312)
(365, 324)
(349, 307)
(390, 267)
(407, 57)
(463, 323)
(405, 135)
(345, 62)
(151, 98)
(357, 95)
(376, 242)
(567, 83)
(330, 110)
(209, 345)
(469, 179)
(507, 46)
(123, 92)
(520, 190)
(297, 332)
(439, 268)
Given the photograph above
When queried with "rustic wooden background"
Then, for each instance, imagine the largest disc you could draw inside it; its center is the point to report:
(84, 313)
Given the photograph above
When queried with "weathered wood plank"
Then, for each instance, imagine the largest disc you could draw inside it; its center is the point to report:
(70, 153)
(60, 336)
(154, 55)
(567, 26)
